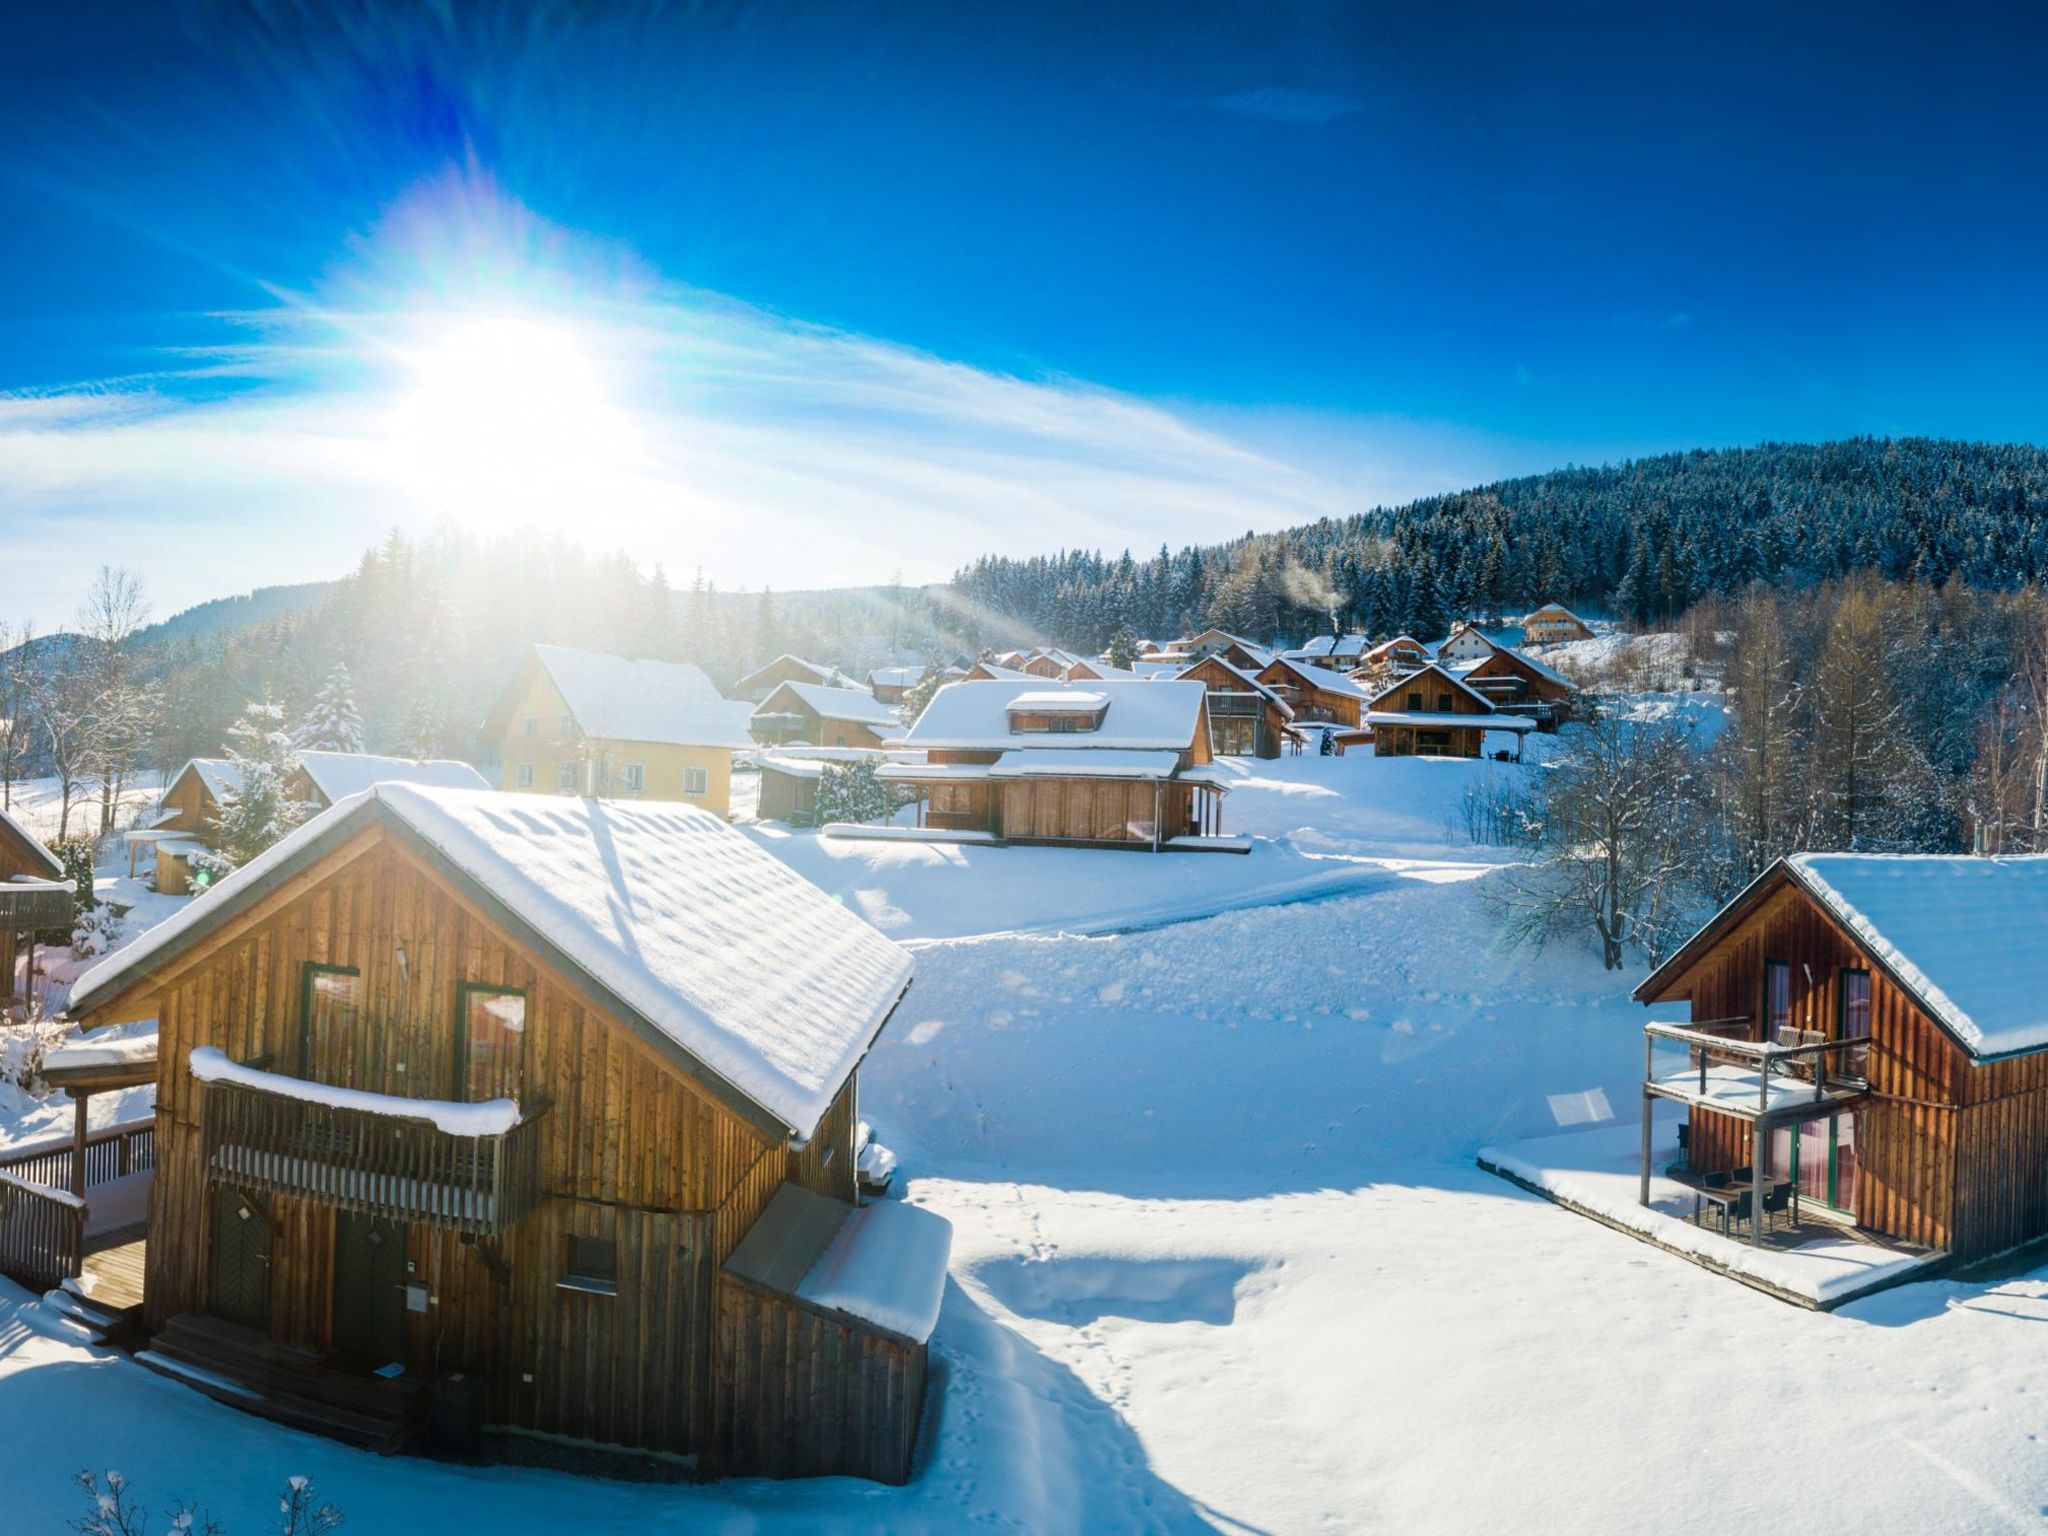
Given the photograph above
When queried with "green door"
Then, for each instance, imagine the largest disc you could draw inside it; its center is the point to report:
(241, 1262)
(369, 1288)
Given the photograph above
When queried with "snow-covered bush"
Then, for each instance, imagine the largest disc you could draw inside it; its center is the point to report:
(97, 930)
(112, 1511)
(851, 792)
(22, 1049)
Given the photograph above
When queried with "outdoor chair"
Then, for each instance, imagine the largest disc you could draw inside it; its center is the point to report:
(1685, 1143)
(1715, 1181)
(1738, 1212)
(1742, 1175)
(1777, 1201)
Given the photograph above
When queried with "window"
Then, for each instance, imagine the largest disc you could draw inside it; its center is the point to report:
(1443, 703)
(636, 777)
(490, 1045)
(1854, 1024)
(566, 727)
(1063, 723)
(327, 1020)
(567, 778)
(696, 781)
(591, 1264)
(1777, 999)
(530, 726)
(522, 776)
(1415, 702)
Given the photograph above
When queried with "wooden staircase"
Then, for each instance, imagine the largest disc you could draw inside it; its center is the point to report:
(295, 1387)
(110, 1322)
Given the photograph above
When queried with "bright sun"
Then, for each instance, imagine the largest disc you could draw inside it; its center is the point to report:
(507, 420)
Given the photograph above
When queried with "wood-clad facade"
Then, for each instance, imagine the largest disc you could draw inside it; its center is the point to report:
(786, 716)
(1437, 705)
(23, 857)
(1315, 693)
(1246, 719)
(595, 1314)
(1941, 1148)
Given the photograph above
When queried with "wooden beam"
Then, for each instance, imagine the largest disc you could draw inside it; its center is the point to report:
(78, 1125)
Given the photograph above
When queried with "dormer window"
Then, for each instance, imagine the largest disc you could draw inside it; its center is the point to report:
(1062, 711)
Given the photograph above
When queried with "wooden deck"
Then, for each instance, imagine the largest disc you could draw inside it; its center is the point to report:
(114, 1265)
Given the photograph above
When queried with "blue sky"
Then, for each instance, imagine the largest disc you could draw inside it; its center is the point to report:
(811, 294)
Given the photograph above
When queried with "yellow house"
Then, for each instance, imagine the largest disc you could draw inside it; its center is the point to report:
(576, 722)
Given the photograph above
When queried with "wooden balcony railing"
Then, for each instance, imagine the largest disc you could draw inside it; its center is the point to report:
(42, 1223)
(386, 1161)
(1716, 1065)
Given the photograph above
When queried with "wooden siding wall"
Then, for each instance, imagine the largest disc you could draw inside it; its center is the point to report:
(802, 1394)
(787, 797)
(1093, 810)
(194, 807)
(632, 1150)
(1952, 1154)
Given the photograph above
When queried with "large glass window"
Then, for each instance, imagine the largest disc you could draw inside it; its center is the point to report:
(1855, 1023)
(327, 1023)
(492, 1043)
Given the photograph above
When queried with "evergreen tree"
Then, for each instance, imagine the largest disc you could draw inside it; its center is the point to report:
(256, 810)
(332, 722)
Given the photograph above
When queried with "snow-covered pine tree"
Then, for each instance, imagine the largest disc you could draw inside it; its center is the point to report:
(332, 723)
(851, 792)
(256, 811)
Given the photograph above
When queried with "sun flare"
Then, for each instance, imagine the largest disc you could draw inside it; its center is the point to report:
(507, 418)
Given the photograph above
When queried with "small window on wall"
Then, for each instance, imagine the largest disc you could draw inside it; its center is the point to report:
(566, 778)
(1777, 1000)
(636, 777)
(1443, 703)
(530, 726)
(591, 1265)
(566, 726)
(491, 1045)
(522, 776)
(696, 781)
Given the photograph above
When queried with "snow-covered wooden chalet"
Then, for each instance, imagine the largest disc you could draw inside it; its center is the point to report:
(542, 1106)
(1872, 1029)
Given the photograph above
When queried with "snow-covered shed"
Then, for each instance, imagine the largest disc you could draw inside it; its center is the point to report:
(1893, 1005)
(1124, 764)
(457, 1080)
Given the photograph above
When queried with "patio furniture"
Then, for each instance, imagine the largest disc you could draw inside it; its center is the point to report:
(1777, 1200)
(1743, 1175)
(1685, 1142)
(1738, 1211)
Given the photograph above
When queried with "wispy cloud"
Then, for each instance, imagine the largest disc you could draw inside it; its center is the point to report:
(1282, 104)
(762, 449)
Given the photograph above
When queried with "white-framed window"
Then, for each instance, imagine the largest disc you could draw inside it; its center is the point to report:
(567, 779)
(530, 726)
(522, 776)
(636, 777)
(696, 781)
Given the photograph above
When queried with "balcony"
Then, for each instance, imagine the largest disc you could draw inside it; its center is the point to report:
(1715, 1066)
(468, 1168)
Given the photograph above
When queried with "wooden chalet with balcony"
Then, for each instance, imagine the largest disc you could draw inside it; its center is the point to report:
(1116, 764)
(1513, 683)
(1318, 694)
(573, 722)
(1432, 713)
(36, 894)
(823, 717)
(1246, 718)
(459, 1088)
(1403, 653)
(1872, 1031)
(1552, 624)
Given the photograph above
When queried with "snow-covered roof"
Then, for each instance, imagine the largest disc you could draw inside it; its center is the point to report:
(1967, 936)
(118, 1045)
(895, 677)
(830, 677)
(1548, 673)
(854, 704)
(883, 1264)
(975, 716)
(1430, 718)
(1107, 672)
(619, 698)
(1324, 678)
(32, 846)
(1554, 611)
(219, 775)
(1036, 763)
(1336, 647)
(338, 775)
(718, 947)
(1083, 701)
(1000, 673)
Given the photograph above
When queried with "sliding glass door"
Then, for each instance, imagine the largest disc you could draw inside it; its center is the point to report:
(1819, 1156)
